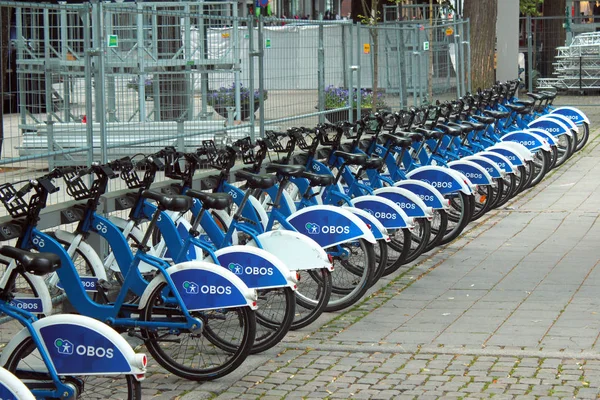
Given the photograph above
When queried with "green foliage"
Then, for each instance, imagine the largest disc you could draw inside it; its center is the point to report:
(530, 7)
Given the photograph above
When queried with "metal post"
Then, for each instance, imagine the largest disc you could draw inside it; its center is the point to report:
(344, 61)
(189, 87)
(236, 74)
(415, 61)
(140, 56)
(321, 73)
(351, 67)
(261, 76)
(99, 80)
(358, 69)
(110, 79)
(529, 54)
(87, 70)
(48, 72)
(467, 24)
(251, 54)
(67, 82)
(458, 64)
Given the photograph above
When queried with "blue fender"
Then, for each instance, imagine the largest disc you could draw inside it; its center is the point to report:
(565, 120)
(430, 195)
(530, 140)
(387, 212)
(512, 155)
(500, 160)
(205, 286)
(257, 268)
(379, 231)
(475, 173)
(80, 345)
(409, 202)
(330, 225)
(551, 125)
(442, 179)
(545, 134)
(490, 166)
(573, 114)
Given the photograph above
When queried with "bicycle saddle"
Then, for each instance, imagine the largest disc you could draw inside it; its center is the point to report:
(318, 179)
(374, 163)
(34, 263)
(171, 202)
(398, 141)
(216, 201)
(536, 96)
(429, 134)
(516, 107)
(352, 158)
(477, 126)
(464, 127)
(449, 130)
(497, 114)
(414, 136)
(256, 181)
(286, 170)
(525, 102)
(484, 119)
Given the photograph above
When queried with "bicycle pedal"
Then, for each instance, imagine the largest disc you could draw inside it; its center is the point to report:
(104, 285)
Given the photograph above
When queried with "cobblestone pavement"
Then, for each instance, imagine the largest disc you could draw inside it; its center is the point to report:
(508, 310)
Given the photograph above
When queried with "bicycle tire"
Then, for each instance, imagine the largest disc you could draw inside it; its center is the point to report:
(348, 287)
(509, 182)
(21, 364)
(23, 287)
(400, 242)
(312, 295)
(565, 150)
(228, 349)
(484, 197)
(420, 235)
(271, 324)
(541, 163)
(439, 224)
(583, 137)
(459, 215)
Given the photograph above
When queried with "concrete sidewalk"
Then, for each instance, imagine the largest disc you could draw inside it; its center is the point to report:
(510, 309)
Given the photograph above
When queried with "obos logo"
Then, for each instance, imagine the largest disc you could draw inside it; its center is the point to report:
(64, 347)
(473, 175)
(190, 287)
(528, 143)
(67, 348)
(553, 130)
(315, 229)
(426, 197)
(239, 270)
(381, 215)
(236, 268)
(409, 206)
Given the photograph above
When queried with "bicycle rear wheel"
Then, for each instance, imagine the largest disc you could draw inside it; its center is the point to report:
(274, 317)
(312, 296)
(219, 348)
(26, 364)
(541, 164)
(459, 215)
(352, 273)
(584, 135)
(398, 250)
(438, 228)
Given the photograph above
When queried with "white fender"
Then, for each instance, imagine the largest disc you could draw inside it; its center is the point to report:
(318, 214)
(470, 164)
(401, 222)
(409, 195)
(518, 149)
(565, 120)
(572, 113)
(267, 258)
(39, 285)
(565, 129)
(545, 134)
(490, 164)
(137, 361)
(374, 222)
(433, 191)
(544, 143)
(249, 294)
(15, 386)
(76, 243)
(464, 184)
(260, 211)
(510, 168)
(295, 250)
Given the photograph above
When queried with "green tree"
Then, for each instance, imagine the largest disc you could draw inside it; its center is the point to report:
(530, 7)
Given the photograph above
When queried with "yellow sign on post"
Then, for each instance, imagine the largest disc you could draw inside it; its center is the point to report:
(449, 31)
(367, 48)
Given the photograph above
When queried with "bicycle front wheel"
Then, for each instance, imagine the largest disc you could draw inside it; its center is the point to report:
(222, 344)
(26, 364)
